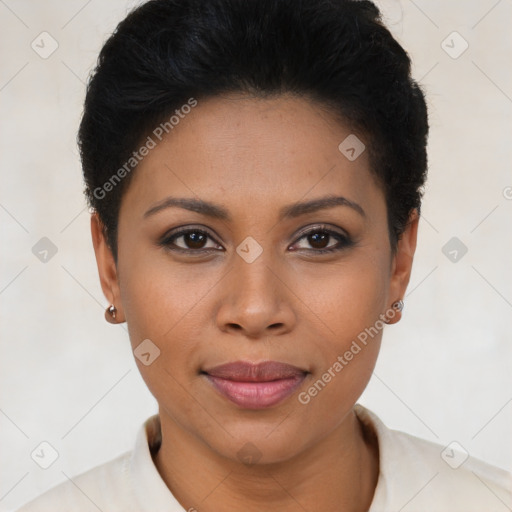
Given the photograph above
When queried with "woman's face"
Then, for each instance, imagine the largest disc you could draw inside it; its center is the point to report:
(267, 270)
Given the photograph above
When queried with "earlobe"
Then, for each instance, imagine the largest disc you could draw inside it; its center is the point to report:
(107, 269)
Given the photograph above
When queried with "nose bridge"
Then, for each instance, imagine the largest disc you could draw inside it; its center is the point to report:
(254, 299)
(254, 282)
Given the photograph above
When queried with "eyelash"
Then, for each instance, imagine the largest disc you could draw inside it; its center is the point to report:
(343, 240)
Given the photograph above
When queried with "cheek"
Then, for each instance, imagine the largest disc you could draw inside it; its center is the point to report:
(162, 302)
(346, 298)
(166, 302)
(160, 298)
(347, 303)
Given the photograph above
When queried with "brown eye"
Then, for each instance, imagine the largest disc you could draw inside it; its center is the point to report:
(194, 240)
(191, 240)
(319, 240)
(322, 240)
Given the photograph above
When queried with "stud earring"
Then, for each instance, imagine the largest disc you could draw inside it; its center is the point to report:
(398, 305)
(396, 308)
(110, 314)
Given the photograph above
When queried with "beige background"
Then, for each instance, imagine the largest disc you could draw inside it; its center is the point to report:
(68, 378)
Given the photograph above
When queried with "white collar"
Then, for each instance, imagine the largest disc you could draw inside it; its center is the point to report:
(411, 472)
(146, 481)
(151, 491)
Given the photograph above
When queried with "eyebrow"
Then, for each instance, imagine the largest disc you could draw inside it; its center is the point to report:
(219, 212)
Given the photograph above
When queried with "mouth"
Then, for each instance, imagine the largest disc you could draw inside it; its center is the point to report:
(255, 386)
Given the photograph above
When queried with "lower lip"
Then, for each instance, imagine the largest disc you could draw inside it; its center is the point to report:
(256, 395)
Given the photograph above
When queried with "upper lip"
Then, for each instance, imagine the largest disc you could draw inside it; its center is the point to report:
(265, 371)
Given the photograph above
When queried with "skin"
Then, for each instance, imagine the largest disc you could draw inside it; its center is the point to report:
(253, 157)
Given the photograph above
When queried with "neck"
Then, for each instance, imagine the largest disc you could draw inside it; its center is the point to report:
(339, 472)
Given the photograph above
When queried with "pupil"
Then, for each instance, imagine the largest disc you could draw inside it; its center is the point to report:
(318, 240)
(195, 240)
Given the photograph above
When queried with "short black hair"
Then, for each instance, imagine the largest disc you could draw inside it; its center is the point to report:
(335, 52)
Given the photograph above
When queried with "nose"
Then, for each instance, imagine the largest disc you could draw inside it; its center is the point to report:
(255, 301)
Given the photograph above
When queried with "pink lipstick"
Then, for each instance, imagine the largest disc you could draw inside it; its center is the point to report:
(255, 386)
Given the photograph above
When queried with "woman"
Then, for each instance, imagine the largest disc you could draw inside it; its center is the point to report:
(255, 169)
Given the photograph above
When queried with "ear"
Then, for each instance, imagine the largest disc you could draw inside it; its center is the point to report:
(401, 265)
(107, 268)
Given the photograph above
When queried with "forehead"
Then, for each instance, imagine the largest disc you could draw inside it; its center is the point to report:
(249, 151)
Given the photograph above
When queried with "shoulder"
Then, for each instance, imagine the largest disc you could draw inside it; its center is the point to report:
(418, 475)
(91, 491)
(129, 483)
(449, 476)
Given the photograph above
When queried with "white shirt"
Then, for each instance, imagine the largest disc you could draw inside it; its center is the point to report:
(413, 477)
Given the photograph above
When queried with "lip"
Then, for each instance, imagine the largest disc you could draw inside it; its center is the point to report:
(255, 386)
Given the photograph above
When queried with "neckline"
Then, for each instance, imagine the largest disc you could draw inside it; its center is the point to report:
(150, 440)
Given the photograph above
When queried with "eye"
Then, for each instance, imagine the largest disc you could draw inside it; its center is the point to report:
(190, 240)
(322, 240)
(195, 240)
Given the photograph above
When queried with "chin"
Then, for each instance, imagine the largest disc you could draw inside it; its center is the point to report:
(262, 444)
